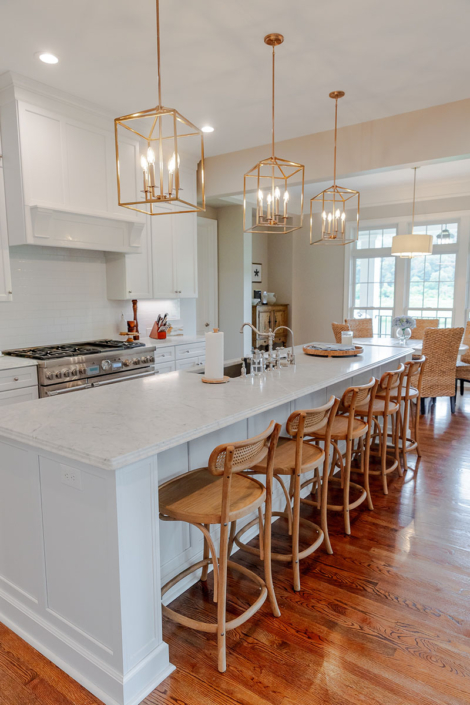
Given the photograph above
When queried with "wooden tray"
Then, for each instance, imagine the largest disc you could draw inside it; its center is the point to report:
(333, 353)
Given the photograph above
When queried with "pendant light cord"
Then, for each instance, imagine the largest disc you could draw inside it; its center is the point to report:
(158, 55)
(414, 196)
(336, 133)
(274, 56)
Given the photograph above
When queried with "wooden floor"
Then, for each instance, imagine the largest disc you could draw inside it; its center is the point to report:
(383, 621)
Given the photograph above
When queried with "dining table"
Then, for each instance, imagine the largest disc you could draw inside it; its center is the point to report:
(415, 344)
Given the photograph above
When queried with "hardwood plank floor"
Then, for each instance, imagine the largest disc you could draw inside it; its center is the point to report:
(383, 621)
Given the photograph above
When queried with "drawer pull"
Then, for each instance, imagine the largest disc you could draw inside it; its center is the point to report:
(16, 379)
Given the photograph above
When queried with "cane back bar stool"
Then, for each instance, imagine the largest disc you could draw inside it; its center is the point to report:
(348, 428)
(361, 327)
(294, 457)
(221, 494)
(411, 400)
(421, 325)
(462, 371)
(386, 406)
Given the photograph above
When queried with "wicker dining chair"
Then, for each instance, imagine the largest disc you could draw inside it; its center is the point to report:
(421, 325)
(441, 349)
(361, 327)
(339, 328)
(462, 371)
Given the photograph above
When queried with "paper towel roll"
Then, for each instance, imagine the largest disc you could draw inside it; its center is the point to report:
(214, 355)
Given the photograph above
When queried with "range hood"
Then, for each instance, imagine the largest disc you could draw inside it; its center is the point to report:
(59, 171)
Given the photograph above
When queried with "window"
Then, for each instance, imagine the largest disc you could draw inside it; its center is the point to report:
(383, 286)
(374, 279)
(432, 281)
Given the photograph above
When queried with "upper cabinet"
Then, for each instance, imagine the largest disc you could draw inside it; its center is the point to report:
(60, 172)
(167, 267)
(5, 272)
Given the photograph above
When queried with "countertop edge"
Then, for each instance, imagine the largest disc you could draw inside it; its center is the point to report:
(147, 452)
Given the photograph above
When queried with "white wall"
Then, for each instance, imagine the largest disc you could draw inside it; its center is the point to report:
(59, 296)
(235, 257)
(260, 255)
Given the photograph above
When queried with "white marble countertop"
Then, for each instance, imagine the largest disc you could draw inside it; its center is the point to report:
(411, 343)
(111, 427)
(7, 362)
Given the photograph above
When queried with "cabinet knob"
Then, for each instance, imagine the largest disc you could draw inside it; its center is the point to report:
(16, 379)
(129, 292)
(207, 325)
(10, 292)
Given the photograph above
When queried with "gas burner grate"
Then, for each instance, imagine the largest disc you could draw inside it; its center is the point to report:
(55, 352)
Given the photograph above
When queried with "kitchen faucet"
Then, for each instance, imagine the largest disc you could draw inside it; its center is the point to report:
(271, 358)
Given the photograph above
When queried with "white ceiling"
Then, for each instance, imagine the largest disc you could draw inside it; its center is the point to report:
(389, 57)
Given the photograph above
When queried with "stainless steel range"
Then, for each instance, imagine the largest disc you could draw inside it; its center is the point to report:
(76, 366)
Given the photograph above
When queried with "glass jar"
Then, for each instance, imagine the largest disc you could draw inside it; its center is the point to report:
(403, 334)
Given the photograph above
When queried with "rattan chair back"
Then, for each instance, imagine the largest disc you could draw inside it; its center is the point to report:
(421, 325)
(338, 328)
(441, 349)
(245, 455)
(361, 327)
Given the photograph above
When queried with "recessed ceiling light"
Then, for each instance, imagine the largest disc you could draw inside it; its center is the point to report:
(48, 58)
(207, 128)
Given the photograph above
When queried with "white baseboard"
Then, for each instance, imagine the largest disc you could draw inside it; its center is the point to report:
(99, 678)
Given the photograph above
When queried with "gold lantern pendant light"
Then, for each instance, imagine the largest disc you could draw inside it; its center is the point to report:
(277, 207)
(330, 204)
(152, 148)
(413, 245)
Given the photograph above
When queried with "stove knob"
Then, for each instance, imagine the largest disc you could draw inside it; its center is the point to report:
(49, 375)
(137, 361)
(126, 363)
(106, 365)
(66, 373)
(82, 370)
(58, 374)
(74, 372)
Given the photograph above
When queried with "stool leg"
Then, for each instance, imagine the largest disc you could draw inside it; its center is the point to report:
(324, 500)
(462, 387)
(268, 576)
(261, 533)
(231, 541)
(347, 475)
(396, 438)
(205, 556)
(365, 468)
(416, 426)
(404, 432)
(295, 533)
(222, 599)
(383, 455)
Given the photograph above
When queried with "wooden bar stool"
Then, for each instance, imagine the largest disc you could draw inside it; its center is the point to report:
(411, 399)
(294, 457)
(386, 406)
(221, 494)
(348, 428)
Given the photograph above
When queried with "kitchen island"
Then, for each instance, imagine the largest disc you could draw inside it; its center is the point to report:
(82, 551)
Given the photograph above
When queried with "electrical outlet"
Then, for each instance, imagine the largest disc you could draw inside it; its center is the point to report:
(71, 476)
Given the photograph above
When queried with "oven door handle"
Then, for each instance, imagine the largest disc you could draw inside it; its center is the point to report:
(122, 379)
(69, 389)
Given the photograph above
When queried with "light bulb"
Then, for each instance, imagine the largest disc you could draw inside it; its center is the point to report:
(269, 198)
(143, 163)
(337, 213)
(47, 58)
(260, 196)
(277, 193)
(286, 196)
(172, 163)
(323, 215)
(329, 217)
(150, 156)
(343, 216)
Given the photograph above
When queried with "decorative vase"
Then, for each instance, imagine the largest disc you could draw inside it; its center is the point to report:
(403, 334)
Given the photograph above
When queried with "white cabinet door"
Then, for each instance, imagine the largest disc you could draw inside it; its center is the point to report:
(130, 276)
(14, 396)
(185, 254)
(163, 257)
(165, 368)
(5, 271)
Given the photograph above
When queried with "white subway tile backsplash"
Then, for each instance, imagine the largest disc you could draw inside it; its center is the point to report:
(59, 296)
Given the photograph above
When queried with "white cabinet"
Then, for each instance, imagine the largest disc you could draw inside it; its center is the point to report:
(18, 384)
(60, 172)
(167, 267)
(163, 369)
(5, 271)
